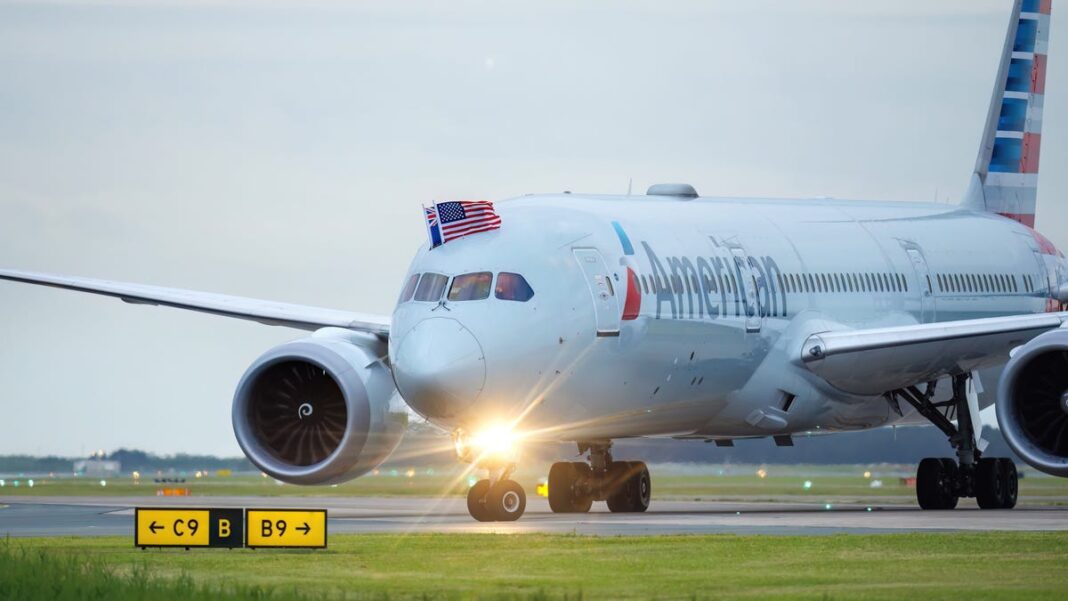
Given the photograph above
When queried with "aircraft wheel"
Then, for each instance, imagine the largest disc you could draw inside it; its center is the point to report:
(629, 487)
(477, 497)
(990, 482)
(616, 477)
(641, 487)
(1011, 484)
(566, 493)
(936, 483)
(506, 500)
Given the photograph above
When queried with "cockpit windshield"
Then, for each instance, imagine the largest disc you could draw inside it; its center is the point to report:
(409, 289)
(476, 286)
(513, 287)
(471, 286)
(431, 285)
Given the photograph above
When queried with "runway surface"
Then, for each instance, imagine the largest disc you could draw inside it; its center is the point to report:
(81, 516)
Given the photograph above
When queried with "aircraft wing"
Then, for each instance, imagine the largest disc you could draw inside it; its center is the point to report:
(876, 361)
(267, 312)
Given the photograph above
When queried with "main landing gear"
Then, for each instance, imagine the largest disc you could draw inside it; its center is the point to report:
(941, 482)
(574, 486)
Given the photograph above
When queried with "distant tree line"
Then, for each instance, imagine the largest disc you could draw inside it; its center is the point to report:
(427, 446)
(131, 459)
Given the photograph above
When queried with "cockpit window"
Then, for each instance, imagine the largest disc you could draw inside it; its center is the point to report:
(513, 287)
(471, 286)
(431, 285)
(409, 289)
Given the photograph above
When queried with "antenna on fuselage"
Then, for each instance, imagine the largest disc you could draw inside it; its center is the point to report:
(630, 185)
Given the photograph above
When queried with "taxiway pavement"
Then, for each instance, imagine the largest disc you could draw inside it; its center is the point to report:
(81, 516)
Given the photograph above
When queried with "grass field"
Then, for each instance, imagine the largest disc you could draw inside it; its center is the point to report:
(826, 483)
(906, 566)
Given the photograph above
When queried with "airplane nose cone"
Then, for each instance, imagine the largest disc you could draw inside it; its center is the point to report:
(439, 368)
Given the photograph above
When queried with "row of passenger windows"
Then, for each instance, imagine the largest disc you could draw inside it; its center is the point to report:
(429, 287)
(793, 283)
(982, 282)
(844, 282)
(840, 282)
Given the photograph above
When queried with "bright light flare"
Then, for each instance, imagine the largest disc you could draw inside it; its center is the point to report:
(495, 443)
(495, 440)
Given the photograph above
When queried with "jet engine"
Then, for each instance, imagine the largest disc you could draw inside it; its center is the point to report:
(1032, 404)
(320, 410)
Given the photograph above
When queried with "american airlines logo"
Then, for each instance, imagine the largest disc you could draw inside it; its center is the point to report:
(734, 284)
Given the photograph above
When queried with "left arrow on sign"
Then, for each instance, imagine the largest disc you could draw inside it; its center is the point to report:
(154, 527)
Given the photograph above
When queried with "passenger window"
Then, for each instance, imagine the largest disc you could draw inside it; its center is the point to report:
(409, 289)
(431, 286)
(471, 286)
(513, 287)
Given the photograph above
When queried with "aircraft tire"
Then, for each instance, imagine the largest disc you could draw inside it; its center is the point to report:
(935, 483)
(477, 501)
(1011, 482)
(641, 485)
(990, 483)
(506, 501)
(629, 487)
(565, 492)
(616, 477)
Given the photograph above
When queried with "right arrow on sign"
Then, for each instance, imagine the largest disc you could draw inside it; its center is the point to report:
(305, 528)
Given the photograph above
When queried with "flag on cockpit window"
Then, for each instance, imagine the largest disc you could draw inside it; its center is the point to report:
(450, 220)
(432, 228)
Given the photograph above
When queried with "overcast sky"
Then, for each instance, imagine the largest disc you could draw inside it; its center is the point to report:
(281, 150)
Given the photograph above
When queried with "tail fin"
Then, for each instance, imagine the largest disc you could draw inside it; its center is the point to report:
(1006, 174)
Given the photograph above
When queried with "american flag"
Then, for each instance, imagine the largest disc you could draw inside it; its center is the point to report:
(455, 219)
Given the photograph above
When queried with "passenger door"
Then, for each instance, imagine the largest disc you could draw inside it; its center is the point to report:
(748, 284)
(598, 278)
(923, 277)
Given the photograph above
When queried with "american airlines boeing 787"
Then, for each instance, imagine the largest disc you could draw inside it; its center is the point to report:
(591, 318)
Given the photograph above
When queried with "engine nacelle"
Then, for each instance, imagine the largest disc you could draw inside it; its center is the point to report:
(320, 410)
(1032, 404)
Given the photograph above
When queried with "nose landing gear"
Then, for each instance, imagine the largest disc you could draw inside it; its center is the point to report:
(625, 485)
(502, 500)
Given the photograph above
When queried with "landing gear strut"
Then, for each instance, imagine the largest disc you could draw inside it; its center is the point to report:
(941, 482)
(574, 486)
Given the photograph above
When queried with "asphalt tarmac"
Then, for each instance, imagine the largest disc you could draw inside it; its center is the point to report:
(89, 516)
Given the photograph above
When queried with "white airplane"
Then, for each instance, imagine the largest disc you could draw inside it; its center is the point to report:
(582, 318)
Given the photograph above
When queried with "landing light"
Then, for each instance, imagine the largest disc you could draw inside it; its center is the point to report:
(495, 443)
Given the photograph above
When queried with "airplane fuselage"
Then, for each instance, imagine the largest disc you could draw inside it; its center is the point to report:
(666, 316)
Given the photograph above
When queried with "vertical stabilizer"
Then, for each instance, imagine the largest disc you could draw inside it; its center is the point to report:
(1006, 172)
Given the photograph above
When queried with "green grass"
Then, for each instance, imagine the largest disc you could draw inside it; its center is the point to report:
(533, 566)
(829, 483)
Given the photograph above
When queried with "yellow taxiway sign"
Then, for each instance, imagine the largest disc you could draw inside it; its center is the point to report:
(188, 527)
(285, 528)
